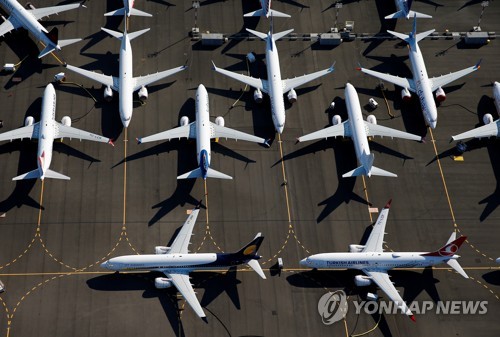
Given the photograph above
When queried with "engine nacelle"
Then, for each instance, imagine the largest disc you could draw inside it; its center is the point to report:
(29, 121)
(257, 96)
(292, 96)
(487, 119)
(66, 120)
(405, 94)
(219, 121)
(162, 250)
(336, 119)
(184, 121)
(371, 119)
(356, 248)
(359, 280)
(143, 93)
(108, 94)
(440, 95)
(162, 283)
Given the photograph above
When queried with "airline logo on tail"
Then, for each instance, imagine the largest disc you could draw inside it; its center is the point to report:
(250, 250)
(450, 249)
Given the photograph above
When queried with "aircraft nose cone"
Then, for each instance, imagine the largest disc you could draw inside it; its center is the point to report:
(433, 124)
(303, 262)
(126, 123)
(104, 265)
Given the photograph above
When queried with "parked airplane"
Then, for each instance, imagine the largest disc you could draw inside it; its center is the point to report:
(125, 83)
(421, 84)
(374, 262)
(128, 9)
(358, 129)
(266, 11)
(28, 19)
(404, 11)
(274, 85)
(203, 130)
(46, 131)
(490, 129)
(176, 262)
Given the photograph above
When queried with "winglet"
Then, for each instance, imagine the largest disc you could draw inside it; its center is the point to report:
(214, 67)
(412, 317)
(199, 204)
(388, 205)
(139, 140)
(478, 64)
(110, 141)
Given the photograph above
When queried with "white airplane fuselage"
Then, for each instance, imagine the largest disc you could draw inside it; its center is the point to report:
(126, 81)
(160, 262)
(496, 95)
(275, 85)
(384, 261)
(28, 21)
(357, 125)
(423, 86)
(46, 130)
(203, 129)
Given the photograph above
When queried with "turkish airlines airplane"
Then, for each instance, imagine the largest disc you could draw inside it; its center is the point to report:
(266, 11)
(490, 129)
(203, 130)
(46, 131)
(358, 129)
(128, 9)
(421, 84)
(404, 11)
(28, 19)
(371, 259)
(176, 262)
(125, 83)
(274, 85)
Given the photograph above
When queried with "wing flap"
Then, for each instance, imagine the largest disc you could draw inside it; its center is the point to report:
(63, 131)
(485, 131)
(40, 13)
(30, 131)
(383, 131)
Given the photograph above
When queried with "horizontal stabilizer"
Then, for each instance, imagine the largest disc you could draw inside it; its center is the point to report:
(133, 35)
(47, 50)
(67, 42)
(118, 12)
(375, 171)
(258, 34)
(419, 15)
(254, 264)
(457, 267)
(197, 173)
(421, 36)
(359, 171)
(262, 12)
(113, 33)
(280, 35)
(122, 11)
(397, 15)
(35, 174)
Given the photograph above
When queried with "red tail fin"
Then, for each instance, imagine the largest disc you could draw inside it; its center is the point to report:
(449, 249)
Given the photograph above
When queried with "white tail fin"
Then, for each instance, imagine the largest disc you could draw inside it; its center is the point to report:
(122, 11)
(197, 173)
(254, 264)
(35, 174)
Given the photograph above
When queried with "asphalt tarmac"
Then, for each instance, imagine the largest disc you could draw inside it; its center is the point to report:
(126, 199)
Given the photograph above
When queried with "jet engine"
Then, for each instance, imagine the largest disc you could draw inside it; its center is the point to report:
(292, 96)
(219, 121)
(359, 280)
(336, 119)
(143, 93)
(371, 119)
(257, 96)
(108, 94)
(29, 121)
(162, 250)
(440, 95)
(162, 283)
(405, 94)
(487, 119)
(356, 248)
(66, 120)
(184, 121)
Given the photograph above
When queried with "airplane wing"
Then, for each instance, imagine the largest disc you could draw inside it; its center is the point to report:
(383, 131)
(185, 131)
(342, 130)
(251, 81)
(399, 81)
(63, 131)
(184, 286)
(39, 13)
(30, 131)
(8, 25)
(148, 79)
(182, 240)
(376, 239)
(298, 81)
(223, 132)
(101, 78)
(383, 281)
(443, 80)
(485, 131)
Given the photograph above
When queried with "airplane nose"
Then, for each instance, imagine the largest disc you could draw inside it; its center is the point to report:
(126, 123)
(303, 262)
(104, 265)
(433, 124)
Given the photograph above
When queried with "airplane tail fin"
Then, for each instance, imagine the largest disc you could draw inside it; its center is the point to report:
(122, 11)
(249, 253)
(262, 12)
(198, 173)
(450, 248)
(35, 174)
